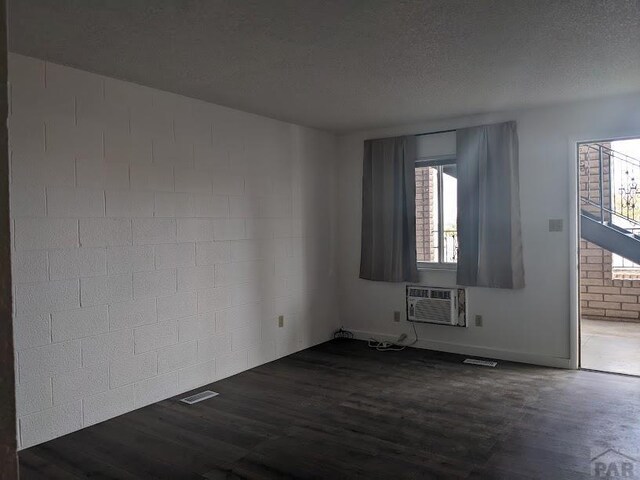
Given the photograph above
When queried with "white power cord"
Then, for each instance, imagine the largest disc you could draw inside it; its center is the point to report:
(385, 346)
(393, 346)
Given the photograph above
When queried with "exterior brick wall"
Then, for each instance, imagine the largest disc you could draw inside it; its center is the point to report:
(602, 297)
(426, 239)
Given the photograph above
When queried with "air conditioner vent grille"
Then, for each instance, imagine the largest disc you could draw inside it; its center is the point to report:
(433, 310)
(441, 294)
(419, 292)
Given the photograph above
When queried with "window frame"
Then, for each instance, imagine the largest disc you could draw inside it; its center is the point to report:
(438, 161)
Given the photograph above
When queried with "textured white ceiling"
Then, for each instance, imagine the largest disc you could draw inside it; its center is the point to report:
(346, 64)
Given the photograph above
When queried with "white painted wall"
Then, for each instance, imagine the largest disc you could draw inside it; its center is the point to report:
(533, 324)
(156, 239)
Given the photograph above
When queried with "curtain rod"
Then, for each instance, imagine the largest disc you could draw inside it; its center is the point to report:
(421, 134)
(435, 133)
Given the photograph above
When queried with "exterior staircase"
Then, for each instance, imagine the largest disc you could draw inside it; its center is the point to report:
(609, 217)
(616, 239)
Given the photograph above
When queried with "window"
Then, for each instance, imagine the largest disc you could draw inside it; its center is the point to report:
(436, 211)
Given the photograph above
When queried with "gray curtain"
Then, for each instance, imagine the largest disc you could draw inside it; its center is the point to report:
(489, 235)
(389, 210)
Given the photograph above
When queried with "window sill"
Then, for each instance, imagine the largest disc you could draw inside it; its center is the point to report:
(439, 267)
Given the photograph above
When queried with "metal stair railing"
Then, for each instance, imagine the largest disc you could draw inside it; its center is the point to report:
(635, 224)
(626, 205)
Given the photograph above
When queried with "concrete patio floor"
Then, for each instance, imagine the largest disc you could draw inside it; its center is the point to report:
(610, 346)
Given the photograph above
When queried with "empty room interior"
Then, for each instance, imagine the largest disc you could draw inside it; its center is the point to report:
(303, 239)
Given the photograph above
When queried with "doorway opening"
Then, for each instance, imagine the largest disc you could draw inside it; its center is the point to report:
(609, 282)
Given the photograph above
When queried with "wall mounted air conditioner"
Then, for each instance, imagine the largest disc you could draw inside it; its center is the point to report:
(442, 306)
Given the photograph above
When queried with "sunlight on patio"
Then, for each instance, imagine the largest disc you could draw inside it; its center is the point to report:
(611, 346)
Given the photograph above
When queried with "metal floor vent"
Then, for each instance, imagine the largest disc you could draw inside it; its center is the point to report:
(198, 397)
(484, 363)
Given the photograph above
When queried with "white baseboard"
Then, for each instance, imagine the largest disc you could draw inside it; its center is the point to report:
(533, 359)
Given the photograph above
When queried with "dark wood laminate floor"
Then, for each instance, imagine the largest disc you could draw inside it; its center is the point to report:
(341, 410)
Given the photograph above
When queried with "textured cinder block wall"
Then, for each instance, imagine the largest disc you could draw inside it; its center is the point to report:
(156, 239)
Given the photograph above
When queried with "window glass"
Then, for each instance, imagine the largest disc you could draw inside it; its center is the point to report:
(436, 213)
(449, 214)
(427, 210)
